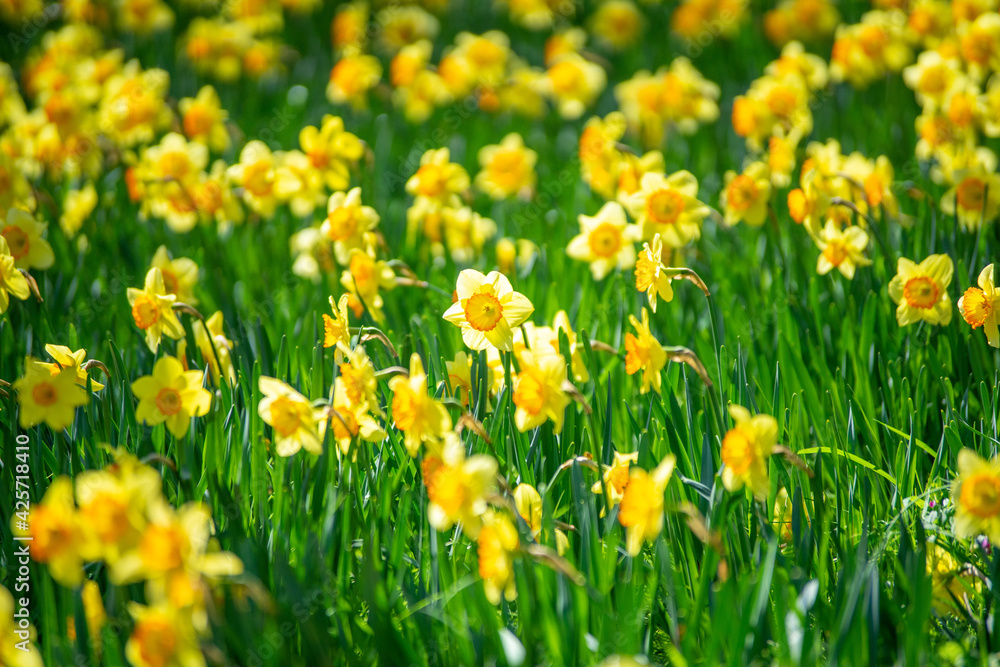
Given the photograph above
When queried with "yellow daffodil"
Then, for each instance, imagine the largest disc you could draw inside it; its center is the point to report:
(204, 119)
(644, 353)
(332, 151)
(438, 178)
(507, 169)
(163, 636)
(79, 205)
(357, 377)
(975, 198)
(179, 275)
(668, 206)
(365, 278)
(487, 310)
(574, 84)
(417, 414)
(23, 234)
(746, 195)
(152, 310)
(351, 78)
(347, 222)
(171, 395)
(66, 358)
(16, 647)
(641, 511)
(12, 282)
(976, 495)
(56, 532)
(460, 376)
(336, 329)
(616, 477)
(255, 174)
(649, 275)
(350, 417)
(921, 290)
(841, 249)
(457, 487)
(291, 415)
(498, 545)
(215, 348)
(605, 241)
(979, 305)
(48, 397)
(746, 449)
(538, 391)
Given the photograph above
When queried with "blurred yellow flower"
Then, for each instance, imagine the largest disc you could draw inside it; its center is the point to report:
(746, 195)
(152, 310)
(47, 397)
(12, 282)
(507, 169)
(746, 449)
(841, 249)
(605, 240)
(294, 420)
(668, 206)
(641, 511)
(976, 495)
(538, 390)
(23, 234)
(498, 545)
(616, 477)
(644, 353)
(417, 414)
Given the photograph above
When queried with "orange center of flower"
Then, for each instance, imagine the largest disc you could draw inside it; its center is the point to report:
(961, 111)
(977, 47)
(618, 478)
(432, 181)
(483, 311)
(737, 451)
(530, 394)
(106, 513)
(566, 78)
(168, 401)
(605, 240)
(980, 495)
(285, 417)
(144, 311)
(835, 252)
(345, 426)
(507, 169)
(741, 193)
(976, 307)
(257, 178)
(157, 641)
(636, 354)
(934, 80)
(44, 394)
(874, 189)
(664, 207)
(782, 101)
(921, 292)
(17, 241)
(970, 194)
(342, 225)
(162, 547)
(198, 121)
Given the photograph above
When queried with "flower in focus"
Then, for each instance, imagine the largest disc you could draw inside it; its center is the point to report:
(605, 240)
(841, 249)
(641, 510)
(152, 310)
(487, 310)
(47, 397)
(66, 358)
(336, 328)
(979, 305)
(644, 353)
(921, 290)
(294, 420)
(649, 275)
(171, 395)
(746, 449)
(976, 496)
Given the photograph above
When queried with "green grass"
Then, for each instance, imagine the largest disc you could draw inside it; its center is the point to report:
(342, 566)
